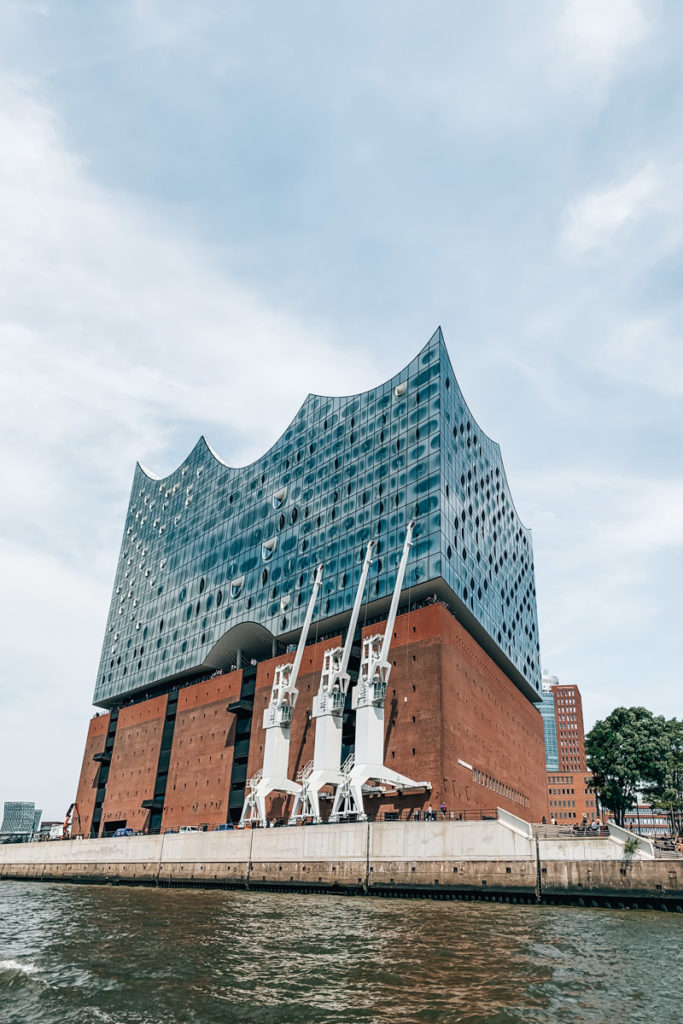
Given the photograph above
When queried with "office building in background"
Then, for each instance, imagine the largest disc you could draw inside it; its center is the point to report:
(20, 819)
(570, 796)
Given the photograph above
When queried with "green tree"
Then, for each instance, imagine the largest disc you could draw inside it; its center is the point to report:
(668, 794)
(626, 752)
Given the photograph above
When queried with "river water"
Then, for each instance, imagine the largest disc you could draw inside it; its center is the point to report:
(79, 954)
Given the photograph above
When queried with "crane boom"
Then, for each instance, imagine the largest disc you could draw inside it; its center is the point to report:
(327, 711)
(368, 698)
(389, 629)
(307, 625)
(71, 814)
(344, 664)
(277, 719)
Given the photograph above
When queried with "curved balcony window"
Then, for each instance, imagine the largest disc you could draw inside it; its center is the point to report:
(279, 497)
(236, 586)
(267, 549)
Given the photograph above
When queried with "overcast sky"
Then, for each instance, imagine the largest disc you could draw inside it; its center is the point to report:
(208, 210)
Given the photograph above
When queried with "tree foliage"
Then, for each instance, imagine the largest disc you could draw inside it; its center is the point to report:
(627, 752)
(668, 794)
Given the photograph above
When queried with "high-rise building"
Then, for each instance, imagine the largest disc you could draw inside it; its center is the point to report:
(20, 818)
(570, 796)
(547, 709)
(562, 713)
(571, 748)
(219, 567)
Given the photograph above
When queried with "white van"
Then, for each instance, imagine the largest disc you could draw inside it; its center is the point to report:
(188, 828)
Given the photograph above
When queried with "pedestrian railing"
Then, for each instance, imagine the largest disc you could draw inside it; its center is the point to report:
(569, 832)
(436, 814)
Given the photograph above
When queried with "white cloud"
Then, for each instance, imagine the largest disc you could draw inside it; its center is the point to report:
(597, 36)
(117, 331)
(596, 553)
(624, 516)
(513, 68)
(645, 352)
(594, 219)
(52, 617)
(646, 517)
(116, 334)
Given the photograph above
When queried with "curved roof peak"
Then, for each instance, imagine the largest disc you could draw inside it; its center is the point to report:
(435, 339)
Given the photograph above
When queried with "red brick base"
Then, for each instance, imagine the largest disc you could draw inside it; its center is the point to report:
(452, 717)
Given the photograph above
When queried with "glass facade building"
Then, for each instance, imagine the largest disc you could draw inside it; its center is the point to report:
(547, 709)
(20, 818)
(217, 563)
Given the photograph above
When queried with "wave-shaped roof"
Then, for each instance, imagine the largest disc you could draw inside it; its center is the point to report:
(349, 467)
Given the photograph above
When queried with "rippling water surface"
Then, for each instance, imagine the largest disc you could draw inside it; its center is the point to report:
(88, 954)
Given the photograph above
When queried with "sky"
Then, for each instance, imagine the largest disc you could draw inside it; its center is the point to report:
(209, 210)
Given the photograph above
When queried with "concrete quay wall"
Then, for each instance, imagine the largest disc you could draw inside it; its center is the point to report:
(488, 859)
(648, 881)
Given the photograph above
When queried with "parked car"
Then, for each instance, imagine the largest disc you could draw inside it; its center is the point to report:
(124, 832)
(188, 828)
(227, 827)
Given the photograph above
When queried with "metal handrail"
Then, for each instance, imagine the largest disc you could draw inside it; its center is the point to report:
(569, 832)
(304, 772)
(255, 779)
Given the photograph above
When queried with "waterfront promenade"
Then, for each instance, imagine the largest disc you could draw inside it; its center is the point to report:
(501, 860)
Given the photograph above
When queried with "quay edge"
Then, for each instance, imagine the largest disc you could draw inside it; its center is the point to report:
(497, 861)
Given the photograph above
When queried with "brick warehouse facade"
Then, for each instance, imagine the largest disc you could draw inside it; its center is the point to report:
(452, 717)
(215, 575)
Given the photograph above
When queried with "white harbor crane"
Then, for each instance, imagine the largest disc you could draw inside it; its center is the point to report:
(368, 697)
(277, 719)
(328, 710)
